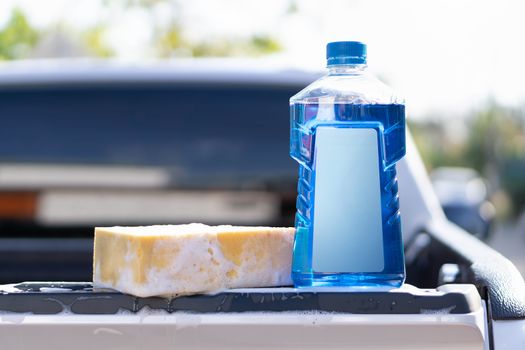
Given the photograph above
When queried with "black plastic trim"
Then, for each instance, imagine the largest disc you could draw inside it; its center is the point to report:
(496, 278)
(81, 298)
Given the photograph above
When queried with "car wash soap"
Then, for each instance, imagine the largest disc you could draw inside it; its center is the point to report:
(347, 133)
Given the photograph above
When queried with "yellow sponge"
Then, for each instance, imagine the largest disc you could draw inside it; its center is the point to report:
(168, 260)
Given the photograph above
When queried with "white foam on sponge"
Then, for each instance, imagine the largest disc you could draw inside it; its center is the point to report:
(193, 258)
(158, 230)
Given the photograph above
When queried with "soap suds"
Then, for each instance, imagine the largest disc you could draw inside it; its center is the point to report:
(194, 260)
(54, 290)
(443, 311)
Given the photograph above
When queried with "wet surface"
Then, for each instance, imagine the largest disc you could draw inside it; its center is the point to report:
(81, 298)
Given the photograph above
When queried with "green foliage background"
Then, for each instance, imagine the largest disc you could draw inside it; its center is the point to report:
(494, 146)
(18, 37)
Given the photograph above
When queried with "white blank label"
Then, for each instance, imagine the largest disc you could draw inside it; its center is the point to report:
(348, 235)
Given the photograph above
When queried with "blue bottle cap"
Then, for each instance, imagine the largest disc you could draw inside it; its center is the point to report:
(345, 52)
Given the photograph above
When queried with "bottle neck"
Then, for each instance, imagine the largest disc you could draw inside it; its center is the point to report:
(342, 69)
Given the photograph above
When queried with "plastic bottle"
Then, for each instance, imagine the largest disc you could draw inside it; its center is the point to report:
(347, 133)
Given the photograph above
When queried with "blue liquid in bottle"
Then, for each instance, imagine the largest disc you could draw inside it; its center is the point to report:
(347, 133)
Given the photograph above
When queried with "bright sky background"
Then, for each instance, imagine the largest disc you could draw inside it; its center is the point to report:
(446, 57)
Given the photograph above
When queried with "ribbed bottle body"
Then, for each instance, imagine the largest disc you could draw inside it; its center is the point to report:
(347, 133)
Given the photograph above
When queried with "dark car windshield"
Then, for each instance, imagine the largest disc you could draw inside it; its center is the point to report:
(214, 130)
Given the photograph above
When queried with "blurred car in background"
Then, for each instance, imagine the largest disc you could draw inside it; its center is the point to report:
(463, 194)
(85, 145)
